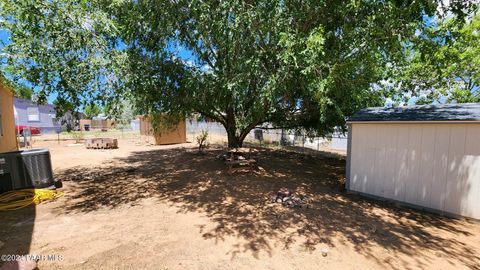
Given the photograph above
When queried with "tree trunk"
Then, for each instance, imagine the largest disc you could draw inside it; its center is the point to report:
(231, 127)
(236, 140)
(233, 140)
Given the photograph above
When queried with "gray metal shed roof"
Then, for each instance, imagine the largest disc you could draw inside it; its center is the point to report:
(443, 112)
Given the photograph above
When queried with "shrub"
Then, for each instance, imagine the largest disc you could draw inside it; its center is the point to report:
(77, 136)
(202, 140)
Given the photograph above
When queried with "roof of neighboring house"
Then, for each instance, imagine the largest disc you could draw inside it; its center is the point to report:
(26, 102)
(443, 112)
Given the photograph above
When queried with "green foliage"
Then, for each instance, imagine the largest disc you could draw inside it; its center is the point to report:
(162, 122)
(202, 140)
(443, 63)
(122, 112)
(291, 63)
(78, 136)
(61, 47)
(22, 91)
(295, 64)
(91, 110)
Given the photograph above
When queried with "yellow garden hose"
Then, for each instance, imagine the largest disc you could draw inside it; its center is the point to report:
(17, 199)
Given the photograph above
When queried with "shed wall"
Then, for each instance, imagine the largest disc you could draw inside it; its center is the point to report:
(84, 122)
(172, 135)
(436, 166)
(8, 138)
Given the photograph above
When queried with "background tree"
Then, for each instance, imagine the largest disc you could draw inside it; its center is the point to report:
(296, 64)
(123, 112)
(62, 48)
(91, 110)
(442, 63)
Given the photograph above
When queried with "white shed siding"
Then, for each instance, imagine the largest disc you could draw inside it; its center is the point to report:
(436, 166)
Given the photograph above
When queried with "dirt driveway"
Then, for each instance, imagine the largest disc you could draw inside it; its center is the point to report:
(141, 207)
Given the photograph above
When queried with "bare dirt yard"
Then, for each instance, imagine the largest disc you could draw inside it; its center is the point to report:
(166, 207)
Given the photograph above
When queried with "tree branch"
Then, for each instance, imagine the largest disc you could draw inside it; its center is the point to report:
(211, 115)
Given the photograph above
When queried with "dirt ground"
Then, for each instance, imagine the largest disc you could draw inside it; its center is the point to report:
(166, 207)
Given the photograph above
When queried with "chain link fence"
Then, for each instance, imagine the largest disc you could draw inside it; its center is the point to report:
(286, 139)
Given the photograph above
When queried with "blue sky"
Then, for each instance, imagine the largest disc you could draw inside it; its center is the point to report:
(4, 35)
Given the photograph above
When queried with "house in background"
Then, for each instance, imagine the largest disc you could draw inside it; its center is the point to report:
(8, 139)
(42, 116)
(100, 122)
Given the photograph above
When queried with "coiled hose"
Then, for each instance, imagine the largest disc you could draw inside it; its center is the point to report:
(17, 199)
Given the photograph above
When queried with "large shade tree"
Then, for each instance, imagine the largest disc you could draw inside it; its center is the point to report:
(307, 64)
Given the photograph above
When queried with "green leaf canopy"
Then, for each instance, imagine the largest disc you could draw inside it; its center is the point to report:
(294, 64)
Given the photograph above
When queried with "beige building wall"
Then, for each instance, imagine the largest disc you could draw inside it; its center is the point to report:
(436, 166)
(84, 122)
(172, 135)
(97, 124)
(8, 138)
(102, 124)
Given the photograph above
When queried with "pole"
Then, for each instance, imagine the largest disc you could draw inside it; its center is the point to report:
(303, 143)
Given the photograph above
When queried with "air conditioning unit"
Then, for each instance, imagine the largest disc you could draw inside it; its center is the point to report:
(26, 169)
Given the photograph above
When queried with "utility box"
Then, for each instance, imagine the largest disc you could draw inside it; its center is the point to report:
(26, 169)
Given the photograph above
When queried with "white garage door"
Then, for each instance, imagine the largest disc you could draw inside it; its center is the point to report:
(436, 166)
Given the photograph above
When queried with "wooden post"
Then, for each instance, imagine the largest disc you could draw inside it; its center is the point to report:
(303, 143)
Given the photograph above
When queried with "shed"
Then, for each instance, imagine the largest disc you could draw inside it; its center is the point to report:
(171, 134)
(425, 156)
(8, 138)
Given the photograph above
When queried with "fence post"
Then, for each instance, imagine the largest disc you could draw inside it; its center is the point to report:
(303, 143)
(281, 138)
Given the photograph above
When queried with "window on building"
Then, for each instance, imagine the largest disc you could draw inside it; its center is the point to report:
(33, 114)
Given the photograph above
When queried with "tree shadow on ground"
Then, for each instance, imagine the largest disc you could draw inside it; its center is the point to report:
(239, 204)
(16, 229)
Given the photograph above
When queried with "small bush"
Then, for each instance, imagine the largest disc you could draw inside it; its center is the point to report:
(77, 136)
(202, 140)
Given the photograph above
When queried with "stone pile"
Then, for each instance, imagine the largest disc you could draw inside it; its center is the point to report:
(289, 199)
